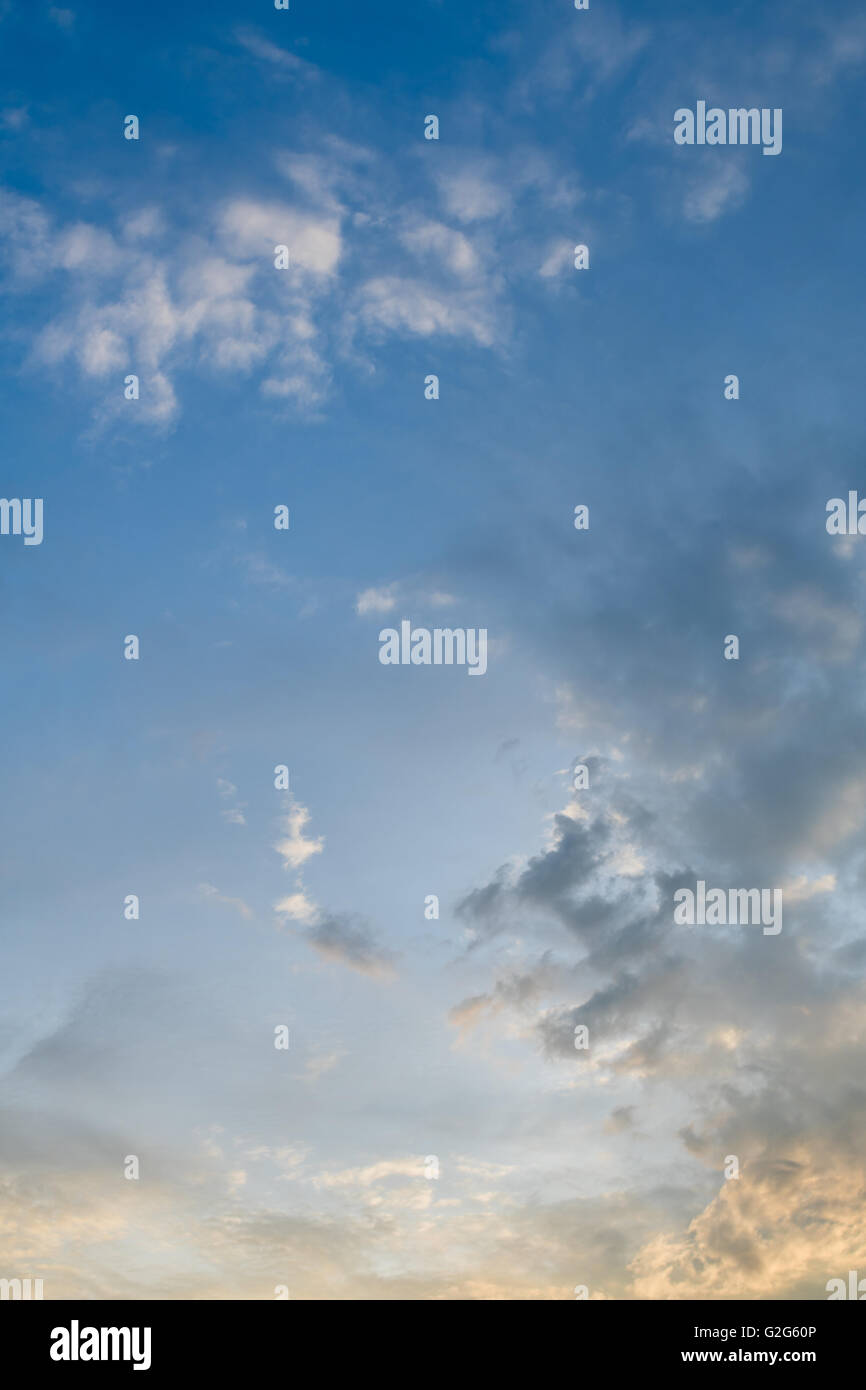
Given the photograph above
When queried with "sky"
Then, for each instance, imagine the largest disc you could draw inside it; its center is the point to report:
(432, 1131)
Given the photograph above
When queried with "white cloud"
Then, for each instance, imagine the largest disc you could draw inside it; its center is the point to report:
(84, 247)
(372, 1173)
(376, 601)
(315, 176)
(451, 248)
(102, 351)
(295, 849)
(470, 195)
(559, 255)
(801, 888)
(845, 47)
(297, 907)
(711, 195)
(143, 225)
(153, 302)
(253, 228)
(206, 301)
(400, 305)
(25, 236)
(273, 54)
(386, 598)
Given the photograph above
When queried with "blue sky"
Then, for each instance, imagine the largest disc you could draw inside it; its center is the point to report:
(413, 1037)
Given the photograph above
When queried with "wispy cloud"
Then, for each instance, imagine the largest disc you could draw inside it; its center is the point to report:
(295, 848)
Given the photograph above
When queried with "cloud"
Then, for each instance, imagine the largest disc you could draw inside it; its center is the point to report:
(203, 304)
(583, 58)
(294, 848)
(801, 888)
(82, 247)
(350, 941)
(25, 232)
(449, 248)
(620, 1119)
(403, 593)
(412, 1167)
(790, 1222)
(395, 304)
(339, 937)
(711, 195)
(233, 815)
(783, 1228)
(704, 1017)
(376, 601)
(844, 48)
(253, 228)
(702, 1043)
(144, 224)
(517, 991)
(208, 891)
(323, 1062)
(470, 194)
(558, 257)
(271, 54)
(297, 907)
(158, 301)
